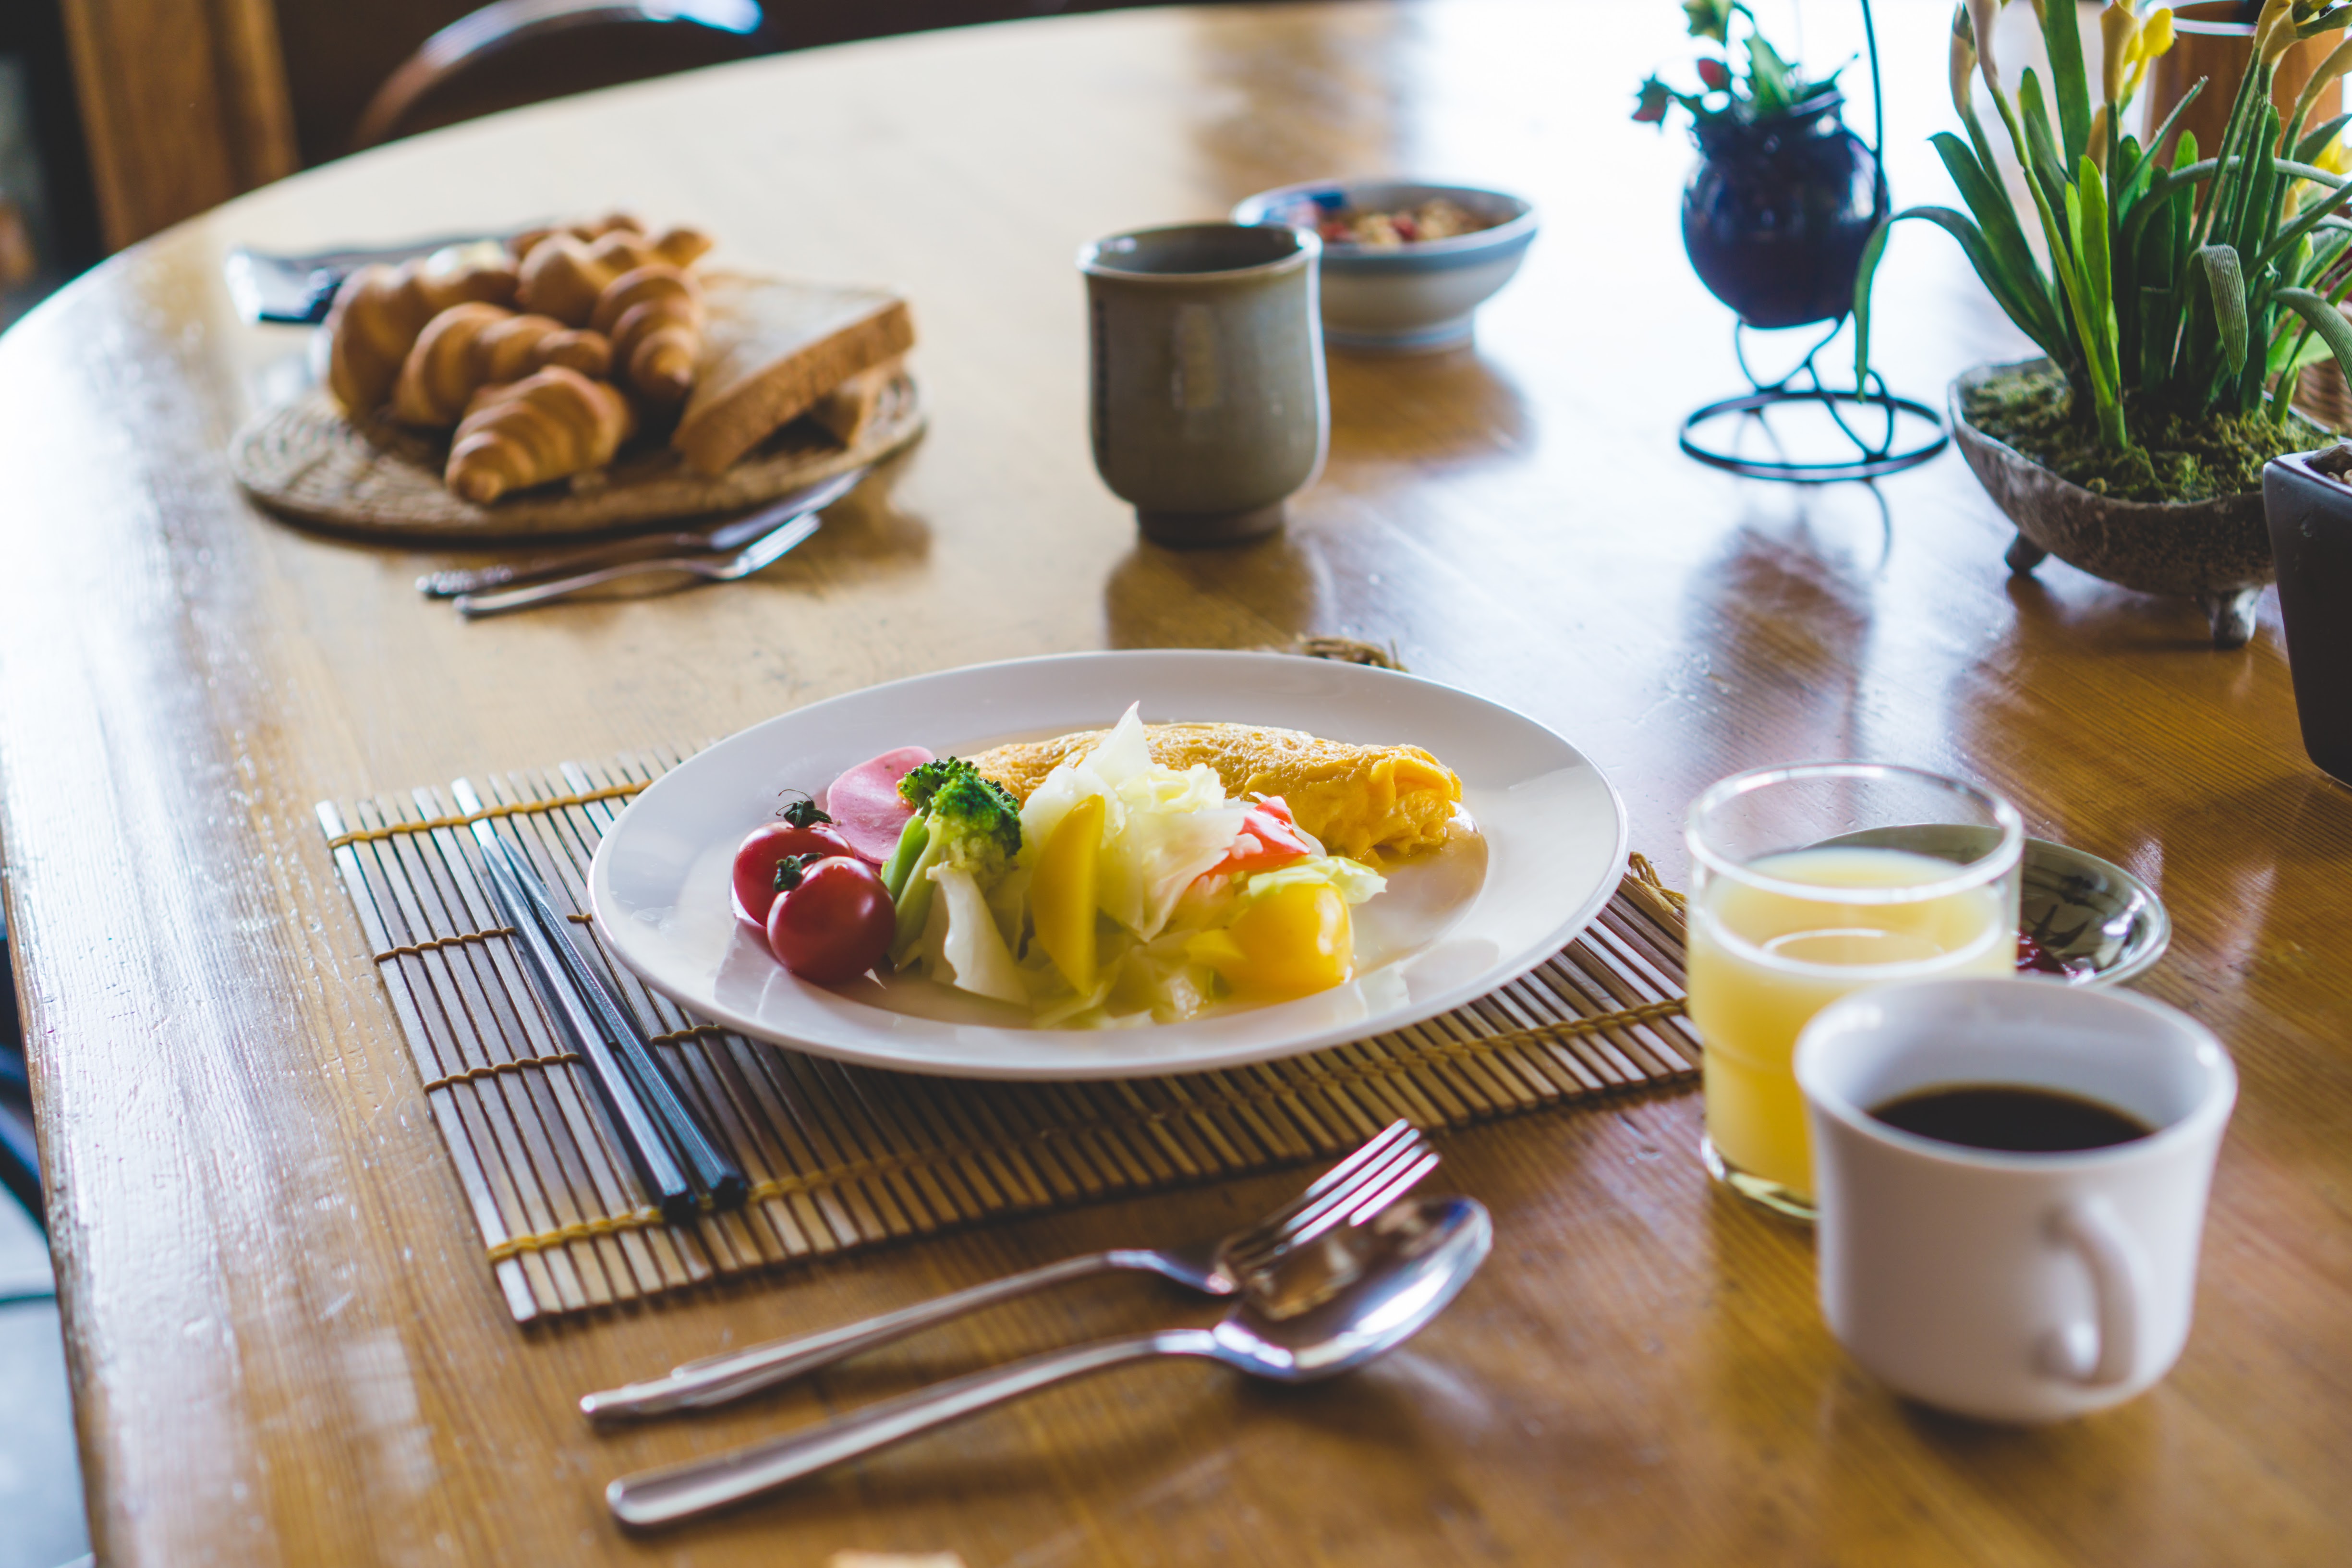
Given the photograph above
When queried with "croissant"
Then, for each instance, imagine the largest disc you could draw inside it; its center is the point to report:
(523, 245)
(512, 349)
(654, 317)
(381, 311)
(681, 246)
(564, 272)
(545, 427)
(442, 371)
(375, 320)
(470, 346)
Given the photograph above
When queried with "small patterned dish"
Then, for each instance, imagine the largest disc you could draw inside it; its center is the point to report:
(2099, 924)
(1416, 298)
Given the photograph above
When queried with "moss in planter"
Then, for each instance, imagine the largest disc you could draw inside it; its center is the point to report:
(2177, 459)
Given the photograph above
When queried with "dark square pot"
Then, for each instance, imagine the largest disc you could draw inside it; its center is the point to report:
(2310, 517)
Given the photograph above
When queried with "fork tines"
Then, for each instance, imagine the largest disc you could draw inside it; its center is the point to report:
(1351, 1192)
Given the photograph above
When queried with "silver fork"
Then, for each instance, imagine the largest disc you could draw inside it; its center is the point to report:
(639, 547)
(761, 555)
(1351, 1192)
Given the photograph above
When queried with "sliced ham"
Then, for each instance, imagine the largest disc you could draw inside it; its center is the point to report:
(865, 805)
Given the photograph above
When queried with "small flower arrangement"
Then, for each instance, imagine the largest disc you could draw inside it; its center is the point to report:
(1770, 87)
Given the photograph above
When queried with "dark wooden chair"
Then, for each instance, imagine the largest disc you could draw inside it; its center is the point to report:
(185, 103)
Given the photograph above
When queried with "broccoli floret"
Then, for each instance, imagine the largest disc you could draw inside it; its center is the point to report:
(972, 822)
(976, 824)
(962, 820)
(917, 787)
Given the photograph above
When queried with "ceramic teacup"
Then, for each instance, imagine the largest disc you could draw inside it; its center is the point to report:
(1209, 407)
(2012, 1286)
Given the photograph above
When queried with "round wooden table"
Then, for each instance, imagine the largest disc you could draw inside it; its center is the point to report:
(284, 1341)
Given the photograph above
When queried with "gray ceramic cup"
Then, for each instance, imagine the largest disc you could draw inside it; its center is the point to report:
(1209, 405)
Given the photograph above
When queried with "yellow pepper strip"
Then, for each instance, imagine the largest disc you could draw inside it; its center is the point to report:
(1063, 892)
(1293, 942)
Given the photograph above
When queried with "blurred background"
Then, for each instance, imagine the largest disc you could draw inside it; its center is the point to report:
(119, 117)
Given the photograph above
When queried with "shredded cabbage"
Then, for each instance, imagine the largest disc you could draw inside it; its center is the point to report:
(970, 947)
(1162, 828)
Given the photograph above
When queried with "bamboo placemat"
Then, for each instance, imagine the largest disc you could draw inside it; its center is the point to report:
(843, 1157)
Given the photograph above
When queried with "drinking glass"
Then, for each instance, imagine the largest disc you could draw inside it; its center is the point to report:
(1811, 882)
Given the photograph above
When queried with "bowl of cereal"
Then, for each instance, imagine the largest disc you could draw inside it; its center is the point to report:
(1406, 264)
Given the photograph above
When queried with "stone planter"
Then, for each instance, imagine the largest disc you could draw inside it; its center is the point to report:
(2215, 552)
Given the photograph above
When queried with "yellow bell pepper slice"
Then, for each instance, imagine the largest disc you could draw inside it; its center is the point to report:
(1293, 942)
(1063, 893)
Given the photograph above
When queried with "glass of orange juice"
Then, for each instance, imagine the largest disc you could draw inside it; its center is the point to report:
(1809, 882)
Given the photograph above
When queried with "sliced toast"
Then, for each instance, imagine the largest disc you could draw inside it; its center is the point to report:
(772, 350)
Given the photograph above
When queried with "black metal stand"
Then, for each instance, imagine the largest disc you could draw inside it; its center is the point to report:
(1872, 457)
(1869, 460)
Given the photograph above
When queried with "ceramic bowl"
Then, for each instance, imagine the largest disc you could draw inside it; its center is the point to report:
(2103, 924)
(1413, 298)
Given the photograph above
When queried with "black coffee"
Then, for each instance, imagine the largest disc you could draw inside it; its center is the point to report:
(2010, 1117)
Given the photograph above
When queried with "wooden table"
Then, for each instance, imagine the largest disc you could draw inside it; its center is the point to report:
(284, 1338)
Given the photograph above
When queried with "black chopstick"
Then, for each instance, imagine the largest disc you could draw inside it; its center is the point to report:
(708, 1165)
(658, 1169)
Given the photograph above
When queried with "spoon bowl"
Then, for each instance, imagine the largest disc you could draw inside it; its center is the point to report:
(1323, 1310)
(1385, 1282)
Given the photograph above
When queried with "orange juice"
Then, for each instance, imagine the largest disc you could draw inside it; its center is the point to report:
(1763, 962)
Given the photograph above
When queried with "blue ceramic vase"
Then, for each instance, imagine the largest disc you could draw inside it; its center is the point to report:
(1777, 211)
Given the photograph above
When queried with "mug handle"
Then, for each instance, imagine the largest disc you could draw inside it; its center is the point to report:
(2119, 1284)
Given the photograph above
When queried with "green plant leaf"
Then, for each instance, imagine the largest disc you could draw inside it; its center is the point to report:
(2014, 304)
(2158, 328)
(2313, 145)
(2098, 274)
(2067, 81)
(2325, 320)
(2228, 287)
(2312, 215)
(1768, 76)
(2004, 236)
(2156, 143)
(2042, 161)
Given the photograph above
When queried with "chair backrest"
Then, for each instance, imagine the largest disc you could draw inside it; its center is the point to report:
(518, 51)
(185, 103)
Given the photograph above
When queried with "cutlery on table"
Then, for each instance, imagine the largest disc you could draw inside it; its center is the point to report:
(1351, 1192)
(761, 555)
(639, 547)
(675, 1155)
(1402, 1270)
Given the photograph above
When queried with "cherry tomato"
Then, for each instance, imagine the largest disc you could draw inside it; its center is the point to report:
(836, 924)
(768, 847)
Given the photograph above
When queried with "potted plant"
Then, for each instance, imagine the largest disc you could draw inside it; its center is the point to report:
(2180, 303)
(1785, 197)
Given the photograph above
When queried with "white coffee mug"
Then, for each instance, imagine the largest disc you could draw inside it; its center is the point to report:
(2012, 1287)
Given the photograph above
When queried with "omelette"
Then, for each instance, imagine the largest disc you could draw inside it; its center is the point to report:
(1360, 801)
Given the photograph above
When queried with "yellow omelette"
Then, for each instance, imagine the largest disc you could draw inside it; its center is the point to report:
(1359, 800)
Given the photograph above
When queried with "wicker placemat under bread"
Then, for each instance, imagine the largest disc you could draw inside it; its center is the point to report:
(843, 1157)
(307, 461)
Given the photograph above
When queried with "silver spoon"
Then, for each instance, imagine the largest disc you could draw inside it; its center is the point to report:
(1353, 1192)
(1326, 1310)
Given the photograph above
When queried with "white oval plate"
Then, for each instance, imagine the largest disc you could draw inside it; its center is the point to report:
(1552, 832)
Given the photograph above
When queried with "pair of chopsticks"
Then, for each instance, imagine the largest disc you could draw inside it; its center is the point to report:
(677, 1163)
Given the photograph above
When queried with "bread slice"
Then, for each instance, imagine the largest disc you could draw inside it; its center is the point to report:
(772, 349)
(849, 409)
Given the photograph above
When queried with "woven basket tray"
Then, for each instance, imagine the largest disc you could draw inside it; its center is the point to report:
(307, 461)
